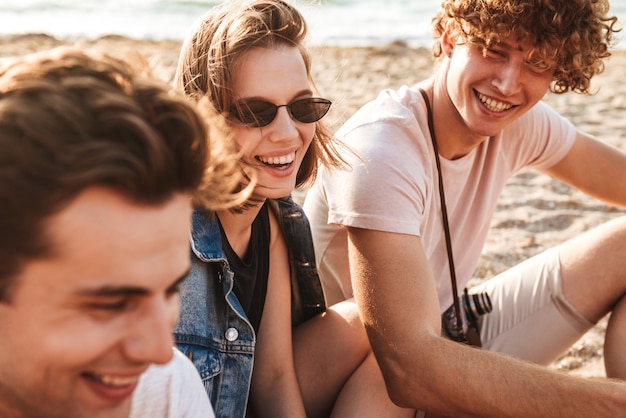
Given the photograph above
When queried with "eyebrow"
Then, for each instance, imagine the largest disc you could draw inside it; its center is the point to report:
(507, 45)
(113, 291)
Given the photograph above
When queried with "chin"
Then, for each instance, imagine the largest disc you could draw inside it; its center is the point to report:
(275, 193)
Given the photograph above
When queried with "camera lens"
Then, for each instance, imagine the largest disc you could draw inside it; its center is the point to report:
(477, 305)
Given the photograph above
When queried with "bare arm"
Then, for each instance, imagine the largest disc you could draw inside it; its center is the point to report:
(275, 391)
(595, 168)
(395, 291)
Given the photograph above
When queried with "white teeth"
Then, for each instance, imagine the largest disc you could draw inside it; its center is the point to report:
(281, 160)
(494, 105)
(117, 380)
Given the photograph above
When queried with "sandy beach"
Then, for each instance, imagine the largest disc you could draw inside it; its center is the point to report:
(534, 213)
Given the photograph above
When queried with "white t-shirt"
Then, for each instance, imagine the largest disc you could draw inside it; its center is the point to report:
(394, 188)
(173, 390)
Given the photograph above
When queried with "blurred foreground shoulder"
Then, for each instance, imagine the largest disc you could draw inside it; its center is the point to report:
(173, 390)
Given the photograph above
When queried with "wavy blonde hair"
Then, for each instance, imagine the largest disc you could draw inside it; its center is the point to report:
(571, 36)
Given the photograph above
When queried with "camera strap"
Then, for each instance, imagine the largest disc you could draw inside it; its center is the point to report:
(470, 336)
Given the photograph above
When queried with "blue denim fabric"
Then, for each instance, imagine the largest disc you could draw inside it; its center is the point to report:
(213, 329)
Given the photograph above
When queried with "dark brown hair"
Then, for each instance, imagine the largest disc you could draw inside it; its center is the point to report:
(71, 119)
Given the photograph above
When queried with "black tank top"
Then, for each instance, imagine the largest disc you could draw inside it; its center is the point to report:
(251, 273)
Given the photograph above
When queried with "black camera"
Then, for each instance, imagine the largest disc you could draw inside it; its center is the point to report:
(473, 306)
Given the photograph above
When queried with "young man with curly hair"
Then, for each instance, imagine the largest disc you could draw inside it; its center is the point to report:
(434, 158)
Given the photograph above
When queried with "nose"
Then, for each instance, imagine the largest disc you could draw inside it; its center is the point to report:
(508, 78)
(283, 126)
(150, 338)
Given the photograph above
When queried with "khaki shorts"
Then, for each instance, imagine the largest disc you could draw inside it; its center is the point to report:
(531, 319)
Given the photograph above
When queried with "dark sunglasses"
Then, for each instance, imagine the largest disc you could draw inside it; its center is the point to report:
(259, 113)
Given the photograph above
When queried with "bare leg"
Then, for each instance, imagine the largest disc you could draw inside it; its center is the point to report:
(615, 342)
(327, 351)
(337, 372)
(594, 281)
(365, 395)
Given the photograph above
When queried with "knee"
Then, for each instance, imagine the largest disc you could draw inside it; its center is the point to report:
(348, 310)
(613, 228)
(348, 313)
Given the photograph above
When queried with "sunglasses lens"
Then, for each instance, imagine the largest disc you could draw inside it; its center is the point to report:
(309, 110)
(255, 113)
(259, 113)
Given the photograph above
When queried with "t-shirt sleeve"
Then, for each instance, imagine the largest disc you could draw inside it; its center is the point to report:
(386, 186)
(541, 138)
(173, 390)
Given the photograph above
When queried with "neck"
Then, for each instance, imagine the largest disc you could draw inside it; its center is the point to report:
(454, 138)
(238, 226)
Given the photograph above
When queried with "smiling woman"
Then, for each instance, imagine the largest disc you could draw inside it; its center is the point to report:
(253, 313)
(284, 138)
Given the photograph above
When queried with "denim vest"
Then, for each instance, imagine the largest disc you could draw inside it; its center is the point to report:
(213, 330)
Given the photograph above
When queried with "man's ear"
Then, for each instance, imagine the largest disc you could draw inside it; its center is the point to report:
(448, 40)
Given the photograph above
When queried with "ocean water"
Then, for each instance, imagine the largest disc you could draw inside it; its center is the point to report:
(332, 22)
